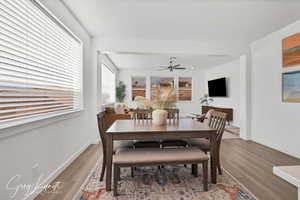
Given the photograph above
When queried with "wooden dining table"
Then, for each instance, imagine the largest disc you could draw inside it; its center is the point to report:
(146, 130)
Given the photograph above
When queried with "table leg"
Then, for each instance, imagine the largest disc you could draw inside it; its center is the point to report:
(109, 152)
(213, 161)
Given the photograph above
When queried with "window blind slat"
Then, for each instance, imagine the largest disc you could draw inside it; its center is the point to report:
(32, 100)
(6, 21)
(17, 55)
(9, 42)
(33, 113)
(27, 76)
(31, 21)
(15, 67)
(26, 40)
(40, 64)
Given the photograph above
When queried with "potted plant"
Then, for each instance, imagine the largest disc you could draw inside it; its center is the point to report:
(121, 91)
(205, 100)
(120, 107)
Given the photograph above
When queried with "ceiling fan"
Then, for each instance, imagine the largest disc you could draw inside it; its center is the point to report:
(172, 66)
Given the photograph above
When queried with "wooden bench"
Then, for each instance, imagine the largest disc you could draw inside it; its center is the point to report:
(155, 157)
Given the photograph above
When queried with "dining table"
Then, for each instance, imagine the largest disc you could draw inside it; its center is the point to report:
(146, 130)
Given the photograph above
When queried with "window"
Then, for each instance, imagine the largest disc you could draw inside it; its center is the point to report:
(40, 64)
(108, 85)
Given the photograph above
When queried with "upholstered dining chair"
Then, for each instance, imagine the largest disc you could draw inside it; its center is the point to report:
(117, 146)
(173, 117)
(143, 116)
(216, 120)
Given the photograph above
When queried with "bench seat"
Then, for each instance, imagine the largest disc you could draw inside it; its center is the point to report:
(159, 156)
(155, 156)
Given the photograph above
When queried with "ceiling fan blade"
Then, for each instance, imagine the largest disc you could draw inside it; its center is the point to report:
(178, 65)
(179, 68)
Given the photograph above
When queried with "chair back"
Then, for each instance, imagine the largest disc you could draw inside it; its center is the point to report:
(142, 114)
(218, 121)
(173, 113)
(207, 116)
(102, 129)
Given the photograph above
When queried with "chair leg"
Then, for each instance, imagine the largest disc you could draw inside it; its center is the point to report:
(119, 174)
(132, 171)
(195, 170)
(205, 175)
(219, 169)
(116, 175)
(219, 164)
(103, 168)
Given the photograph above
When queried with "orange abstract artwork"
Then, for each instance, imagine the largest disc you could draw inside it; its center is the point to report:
(138, 87)
(291, 50)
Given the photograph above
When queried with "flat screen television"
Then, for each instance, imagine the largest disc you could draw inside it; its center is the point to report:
(217, 88)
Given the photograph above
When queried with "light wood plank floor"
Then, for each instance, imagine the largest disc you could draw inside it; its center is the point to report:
(249, 162)
(252, 164)
(74, 176)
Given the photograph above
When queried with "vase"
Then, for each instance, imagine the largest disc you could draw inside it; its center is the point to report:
(159, 117)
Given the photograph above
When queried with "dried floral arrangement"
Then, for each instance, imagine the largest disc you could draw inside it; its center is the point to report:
(161, 100)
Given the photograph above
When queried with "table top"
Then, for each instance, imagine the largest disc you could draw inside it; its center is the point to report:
(139, 126)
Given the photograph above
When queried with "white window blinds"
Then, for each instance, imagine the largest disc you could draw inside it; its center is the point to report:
(40, 64)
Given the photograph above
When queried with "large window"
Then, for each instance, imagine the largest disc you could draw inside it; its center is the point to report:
(108, 85)
(40, 64)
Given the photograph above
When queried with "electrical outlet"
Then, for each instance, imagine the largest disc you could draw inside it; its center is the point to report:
(35, 171)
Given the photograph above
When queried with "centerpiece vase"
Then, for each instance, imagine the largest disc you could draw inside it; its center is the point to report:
(159, 117)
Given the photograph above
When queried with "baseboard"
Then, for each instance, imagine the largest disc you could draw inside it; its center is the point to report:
(59, 170)
(277, 148)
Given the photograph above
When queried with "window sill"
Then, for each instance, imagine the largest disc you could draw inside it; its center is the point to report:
(14, 128)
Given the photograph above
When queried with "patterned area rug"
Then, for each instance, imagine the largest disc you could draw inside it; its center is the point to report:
(169, 183)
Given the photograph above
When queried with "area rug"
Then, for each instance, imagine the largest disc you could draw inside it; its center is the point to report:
(168, 183)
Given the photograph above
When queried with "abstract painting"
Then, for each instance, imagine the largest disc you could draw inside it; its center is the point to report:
(291, 50)
(162, 84)
(185, 88)
(138, 87)
(291, 87)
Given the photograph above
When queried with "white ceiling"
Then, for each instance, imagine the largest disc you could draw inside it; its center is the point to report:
(184, 19)
(219, 24)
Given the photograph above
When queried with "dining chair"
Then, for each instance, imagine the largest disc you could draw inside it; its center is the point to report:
(217, 120)
(102, 131)
(173, 117)
(143, 116)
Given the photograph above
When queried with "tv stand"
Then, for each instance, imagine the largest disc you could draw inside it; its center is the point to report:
(228, 111)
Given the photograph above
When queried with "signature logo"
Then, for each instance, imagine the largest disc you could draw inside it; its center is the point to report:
(15, 186)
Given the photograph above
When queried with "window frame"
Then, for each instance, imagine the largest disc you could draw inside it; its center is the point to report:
(105, 64)
(24, 121)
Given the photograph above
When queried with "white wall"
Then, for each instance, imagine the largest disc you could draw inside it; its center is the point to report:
(232, 72)
(51, 143)
(274, 123)
(185, 107)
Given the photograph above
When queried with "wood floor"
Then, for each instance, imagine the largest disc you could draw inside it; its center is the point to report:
(74, 176)
(250, 163)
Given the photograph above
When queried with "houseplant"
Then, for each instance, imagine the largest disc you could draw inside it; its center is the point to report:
(121, 91)
(159, 103)
(121, 94)
(205, 100)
